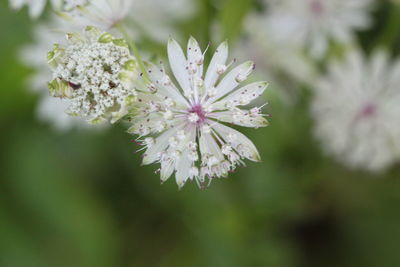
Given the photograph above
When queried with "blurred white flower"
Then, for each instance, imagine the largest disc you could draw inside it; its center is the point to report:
(154, 19)
(95, 72)
(356, 111)
(183, 128)
(311, 24)
(282, 63)
(103, 14)
(52, 110)
(157, 18)
(36, 7)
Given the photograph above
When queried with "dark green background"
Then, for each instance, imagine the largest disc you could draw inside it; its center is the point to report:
(81, 198)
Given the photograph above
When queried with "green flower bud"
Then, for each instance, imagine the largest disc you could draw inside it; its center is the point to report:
(130, 65)
(124, 77)
(60, 88)
(105, 38)
(120, 42)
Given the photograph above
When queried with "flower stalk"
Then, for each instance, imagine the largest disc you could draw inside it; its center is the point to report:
(135, 51)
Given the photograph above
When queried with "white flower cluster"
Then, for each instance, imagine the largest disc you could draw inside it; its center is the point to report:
(96, 73)
(182, 127)
(357, 111)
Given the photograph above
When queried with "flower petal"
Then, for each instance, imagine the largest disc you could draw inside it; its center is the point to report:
(220, 57)
(184, 163)
(178, 63)
(183, 166)
(160, 143)
(36, 8)
(208, 145)
(242, 96)
(244, 120)
(158, 76)
(243, 145)
(232, 79)
(166, 169)
(195, 57)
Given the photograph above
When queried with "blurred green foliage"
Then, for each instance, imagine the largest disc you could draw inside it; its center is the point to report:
(81, 198)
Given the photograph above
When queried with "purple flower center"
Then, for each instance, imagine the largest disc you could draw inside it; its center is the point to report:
(368, 110)
(198, 110)
(316, 7)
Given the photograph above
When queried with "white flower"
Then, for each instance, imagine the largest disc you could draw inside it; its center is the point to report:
(311, 24)
(357, 111)
(183, 127)
(159, 23)
(48, 108)
(151, 18)
(36, 7)
(282, 63)
(103, 14)
(95, 72)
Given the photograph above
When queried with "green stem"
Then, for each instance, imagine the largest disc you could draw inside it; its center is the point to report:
(135, 52)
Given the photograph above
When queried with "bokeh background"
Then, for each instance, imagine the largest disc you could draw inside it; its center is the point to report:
(81, 198)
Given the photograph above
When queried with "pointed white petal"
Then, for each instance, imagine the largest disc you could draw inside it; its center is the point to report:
(195, 57)
(153, 122)
(208, 145)
(16, 4)
(239, 142)
(184, 163)
(242, 96)
(157, 75)
(245, 121)
(36, 8)
(183, 166)
(166, 170)
(160, 143)
(178, 63)
(232, 79)
(220, 57)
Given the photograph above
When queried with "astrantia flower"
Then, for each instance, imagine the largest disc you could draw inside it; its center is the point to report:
(150, 18)
(158, 23)
(103, 14)
(95, 72)
(357, 111)
(311, 24)
(283, 63)
(183, 127)
(36, 7)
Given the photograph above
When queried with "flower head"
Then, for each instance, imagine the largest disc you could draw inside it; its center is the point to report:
(311, 24)
(356, 109)
(283, 63)
(183, 127)
(103, 14)
(95, 72)
(160, 23)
